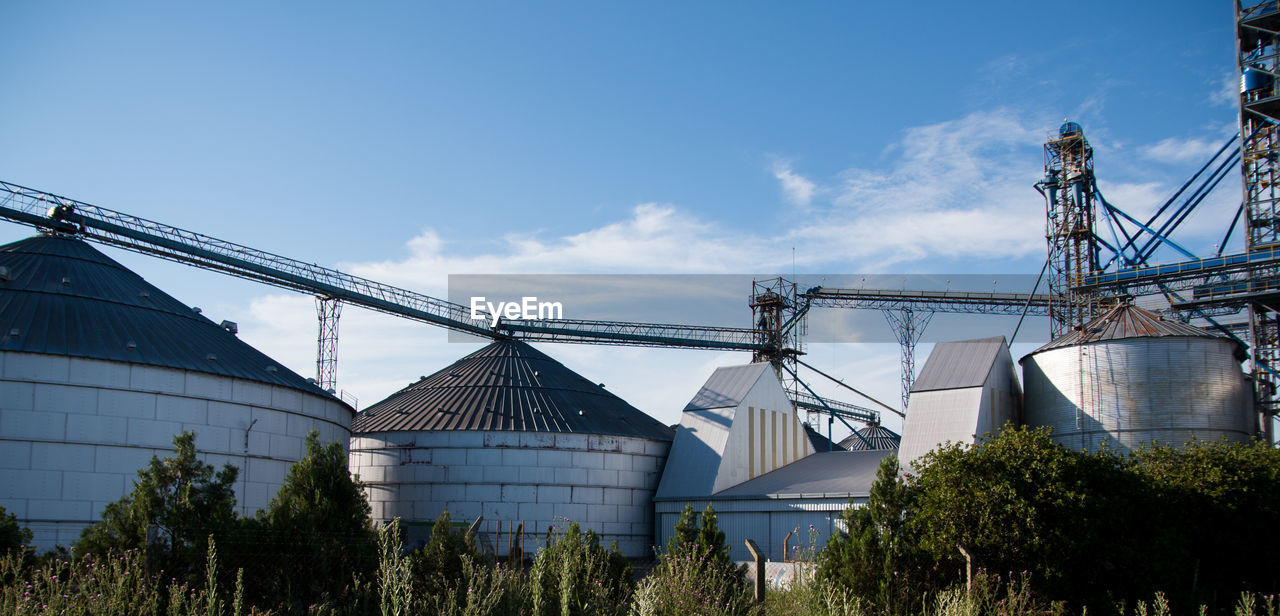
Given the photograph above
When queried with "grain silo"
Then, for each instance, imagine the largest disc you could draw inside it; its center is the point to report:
(99, 370)
(1131, 376)
(511, 434)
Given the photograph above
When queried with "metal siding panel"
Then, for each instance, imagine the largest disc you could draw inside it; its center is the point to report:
(727, 387)
(1135, 390)
(740, 526)
(956, 365)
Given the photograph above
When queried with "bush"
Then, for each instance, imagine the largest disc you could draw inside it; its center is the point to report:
(695, 574)
(12, 535)
(1020, 503)
(878, 558)
(1095, 529)
(574, 576)
(316, 530)
(181, 498)
(438, 567)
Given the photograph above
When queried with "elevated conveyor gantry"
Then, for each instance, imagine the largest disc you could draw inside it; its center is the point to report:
(332, 288)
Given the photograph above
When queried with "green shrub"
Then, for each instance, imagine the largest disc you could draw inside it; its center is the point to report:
(438, 566)
(484, 590)
(317, 531)
(694, 575)
(181, 498)
(12, 535)
(574, 576)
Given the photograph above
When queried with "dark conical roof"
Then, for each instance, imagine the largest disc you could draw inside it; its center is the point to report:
(820, 443)
(880, 438)
(508, 386)
(1126, 321)
(61, 296)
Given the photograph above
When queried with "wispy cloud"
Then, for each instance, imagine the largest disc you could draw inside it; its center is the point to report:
(1181, 150)
(1227, 92)
(796, 188)
(961, 188)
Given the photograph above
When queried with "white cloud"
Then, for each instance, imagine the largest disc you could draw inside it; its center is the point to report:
(1175, 150)
(961, 188)
(796, 188)
(1227, 92)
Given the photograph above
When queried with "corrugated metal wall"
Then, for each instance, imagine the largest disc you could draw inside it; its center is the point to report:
(768, 528)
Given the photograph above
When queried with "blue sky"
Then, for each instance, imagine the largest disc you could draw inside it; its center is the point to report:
(409, 141)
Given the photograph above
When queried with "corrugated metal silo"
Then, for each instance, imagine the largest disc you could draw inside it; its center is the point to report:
(873, 437)
(99, 370)
(511, 434)
(1130, 377)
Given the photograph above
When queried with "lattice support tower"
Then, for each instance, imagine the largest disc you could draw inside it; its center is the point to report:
(1069, 228)
(779, 319)
(1258, 59)
(908, 327)
(328, 309)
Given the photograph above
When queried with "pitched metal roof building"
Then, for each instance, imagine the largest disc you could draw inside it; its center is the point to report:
(100, 369)
(509, 433)
(966, 389)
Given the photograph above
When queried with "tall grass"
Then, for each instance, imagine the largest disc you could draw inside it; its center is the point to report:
(95, 585)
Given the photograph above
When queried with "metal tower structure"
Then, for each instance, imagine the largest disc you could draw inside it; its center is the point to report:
(1068, 188)
(779, 317)
(328, 310)
(1258, 59)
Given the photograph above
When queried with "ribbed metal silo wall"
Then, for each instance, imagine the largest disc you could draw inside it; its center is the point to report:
(1138, 390)
(604, 483)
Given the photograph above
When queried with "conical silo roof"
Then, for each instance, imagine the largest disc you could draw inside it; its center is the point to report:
(879, 437)
(61, 296)
(1127, 321)
(508, 386)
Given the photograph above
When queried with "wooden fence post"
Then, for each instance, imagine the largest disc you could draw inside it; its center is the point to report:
(758, 555)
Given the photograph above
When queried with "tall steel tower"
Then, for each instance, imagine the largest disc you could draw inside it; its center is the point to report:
(1258, 58)
(1068, 188)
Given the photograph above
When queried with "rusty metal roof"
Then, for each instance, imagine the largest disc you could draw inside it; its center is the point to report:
(508, 386)
(880, 438)
(1126, 321)
(61, 296)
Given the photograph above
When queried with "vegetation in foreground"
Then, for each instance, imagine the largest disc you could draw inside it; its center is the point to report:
(1044, 530)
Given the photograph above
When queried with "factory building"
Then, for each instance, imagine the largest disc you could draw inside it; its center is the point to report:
(511, 434)
(99, 370)
(741, 449)
(966, 389)
(1131, 377)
